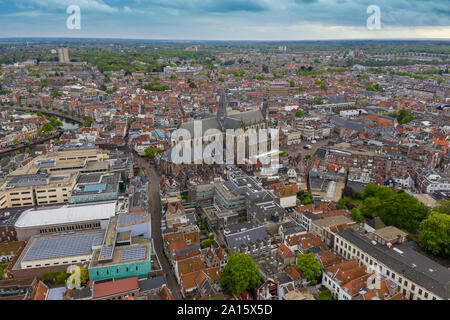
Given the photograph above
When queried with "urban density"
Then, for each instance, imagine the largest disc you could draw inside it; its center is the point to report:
(95, 207)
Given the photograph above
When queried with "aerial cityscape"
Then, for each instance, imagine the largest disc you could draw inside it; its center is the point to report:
(226, 165)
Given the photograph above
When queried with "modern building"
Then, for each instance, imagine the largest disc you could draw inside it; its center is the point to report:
(120, 255)
(69, 218)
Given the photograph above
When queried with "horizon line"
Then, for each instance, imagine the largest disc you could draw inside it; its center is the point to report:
(219, 40)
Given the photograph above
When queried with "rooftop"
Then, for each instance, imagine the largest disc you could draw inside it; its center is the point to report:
(66, 214)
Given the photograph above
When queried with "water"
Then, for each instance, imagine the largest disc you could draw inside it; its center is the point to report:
(68, 126)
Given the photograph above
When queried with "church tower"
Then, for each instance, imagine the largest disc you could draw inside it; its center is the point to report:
(222, 112)
(265, 108)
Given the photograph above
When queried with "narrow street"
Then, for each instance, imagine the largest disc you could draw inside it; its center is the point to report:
(155, 211)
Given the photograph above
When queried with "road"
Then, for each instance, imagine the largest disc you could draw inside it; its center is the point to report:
(155, 211)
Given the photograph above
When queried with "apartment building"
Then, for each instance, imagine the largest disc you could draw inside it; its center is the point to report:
(418, 277)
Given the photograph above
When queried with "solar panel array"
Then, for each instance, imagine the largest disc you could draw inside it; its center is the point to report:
(106, 251)
(134, 254)
(63, 246)
(129, 219)
(89, 178)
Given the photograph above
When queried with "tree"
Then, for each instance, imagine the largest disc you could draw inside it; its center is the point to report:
(240, 274)
(398, 209)
(47, 127)
(27, 150)
(150, 153)
(84, 277)
(16, 141)
(356, 215)
(299, 113)
(434, 235)
(324, 295)
(403, 211)
(192, 85)
(292, 84)
(308, 265)
(444, 207)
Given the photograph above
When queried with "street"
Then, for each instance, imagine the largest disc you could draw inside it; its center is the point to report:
(155, 211)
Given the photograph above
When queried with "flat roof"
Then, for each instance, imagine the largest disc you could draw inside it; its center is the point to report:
(62, 246)
(66, 214)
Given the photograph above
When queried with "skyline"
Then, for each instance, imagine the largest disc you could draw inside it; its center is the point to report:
(230, 20)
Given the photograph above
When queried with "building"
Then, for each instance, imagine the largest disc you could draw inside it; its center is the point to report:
(430, 181)
(50, 253)
(120, 255)
(50, 178)
(96, 187)
(418, 277)
(123, 289)
(69, 218)
(248, 238)
(221, 128)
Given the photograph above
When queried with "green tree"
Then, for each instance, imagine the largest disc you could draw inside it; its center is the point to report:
(299, 113)
(240, 274)
(308, 265)
(47, 127)
(356, 215)
(434, 235)
(84, 277)
(324, 295)
(403, 211)
(27, 150)
(444, 207)
(16, 141)
(192, 85)
(150, 153)
(292, 84)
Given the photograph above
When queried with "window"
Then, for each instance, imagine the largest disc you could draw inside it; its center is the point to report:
(413, 287)
(420, 292)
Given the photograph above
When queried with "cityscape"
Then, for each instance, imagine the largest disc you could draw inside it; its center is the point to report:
(223, 169)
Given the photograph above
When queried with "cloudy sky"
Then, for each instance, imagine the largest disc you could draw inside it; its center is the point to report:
(226, 19)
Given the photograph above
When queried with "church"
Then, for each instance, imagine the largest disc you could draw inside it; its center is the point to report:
(215, 127)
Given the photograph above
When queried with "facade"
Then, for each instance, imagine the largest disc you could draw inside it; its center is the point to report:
(120, 255)
(51, 178)
(69, 218)
(418, 277)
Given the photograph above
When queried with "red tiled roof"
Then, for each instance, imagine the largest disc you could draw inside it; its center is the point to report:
(110, 288)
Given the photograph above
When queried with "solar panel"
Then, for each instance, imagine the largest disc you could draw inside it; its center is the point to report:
(62, 246)
(129, 219)
(134, 254)
(106, 251)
